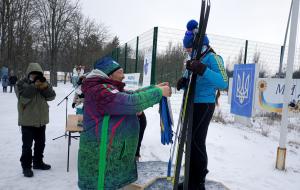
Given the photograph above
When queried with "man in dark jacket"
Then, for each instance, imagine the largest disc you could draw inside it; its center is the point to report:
(12, 80)
(33, 92)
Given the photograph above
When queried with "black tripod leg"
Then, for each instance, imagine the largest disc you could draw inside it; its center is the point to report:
(69, 144)
(59, 137)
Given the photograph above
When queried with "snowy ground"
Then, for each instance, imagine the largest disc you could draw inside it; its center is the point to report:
(241, 158)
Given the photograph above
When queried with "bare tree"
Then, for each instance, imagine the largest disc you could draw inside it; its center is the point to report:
(23, 52)
(51, 32)
(15, 16)
(54, 17)
(4, 14)
(169, 65)
(256, 56)
(94, 38)
(240, 57)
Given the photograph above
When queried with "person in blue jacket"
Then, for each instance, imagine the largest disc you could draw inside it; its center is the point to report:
(5, 83)
(211, 77)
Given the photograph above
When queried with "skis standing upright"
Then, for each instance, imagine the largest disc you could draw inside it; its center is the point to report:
(187, 111)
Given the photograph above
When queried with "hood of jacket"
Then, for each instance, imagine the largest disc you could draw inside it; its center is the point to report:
(34, 67)
(96, 77)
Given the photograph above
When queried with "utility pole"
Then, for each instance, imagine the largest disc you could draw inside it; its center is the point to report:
(281, 150)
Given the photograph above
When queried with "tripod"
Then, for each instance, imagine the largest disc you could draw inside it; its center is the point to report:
(65, 98)
(69, 133)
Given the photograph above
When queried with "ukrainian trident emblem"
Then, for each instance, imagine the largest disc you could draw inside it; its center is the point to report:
(242, 87)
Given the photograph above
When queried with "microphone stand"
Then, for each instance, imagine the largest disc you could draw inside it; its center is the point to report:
(65, 98)
(66, 134)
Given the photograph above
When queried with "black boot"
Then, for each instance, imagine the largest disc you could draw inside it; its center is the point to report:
(27, 172)
(201, 186)
(180, 186)
(41, 166)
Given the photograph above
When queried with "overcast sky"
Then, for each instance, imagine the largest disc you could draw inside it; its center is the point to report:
(259, 20)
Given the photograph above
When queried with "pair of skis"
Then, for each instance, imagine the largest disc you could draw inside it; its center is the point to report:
(186, 115)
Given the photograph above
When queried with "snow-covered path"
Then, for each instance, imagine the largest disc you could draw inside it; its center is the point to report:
(241, 158)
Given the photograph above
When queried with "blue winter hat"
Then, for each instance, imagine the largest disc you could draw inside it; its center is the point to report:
(107, 65)
(191, 25)
(189, 35)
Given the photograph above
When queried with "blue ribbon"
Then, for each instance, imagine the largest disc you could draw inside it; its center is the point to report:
(165, 122)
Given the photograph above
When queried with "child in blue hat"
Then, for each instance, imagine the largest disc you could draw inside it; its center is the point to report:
(211, 77)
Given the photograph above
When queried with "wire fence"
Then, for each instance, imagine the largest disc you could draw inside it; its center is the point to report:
(169, 57)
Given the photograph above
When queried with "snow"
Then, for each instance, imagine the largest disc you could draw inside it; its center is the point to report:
(239, 157)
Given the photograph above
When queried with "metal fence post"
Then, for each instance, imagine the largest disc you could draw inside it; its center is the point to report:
(136, 54)
(245, 54)
(281, 61)
(125, 62)
(117, 54)
(282, 49)
(154, 49)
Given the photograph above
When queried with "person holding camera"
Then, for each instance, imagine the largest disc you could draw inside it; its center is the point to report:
(33, 92)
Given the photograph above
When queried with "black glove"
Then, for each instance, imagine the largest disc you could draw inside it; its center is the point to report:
(79, 82)
(196, 67)
(73, 105)
(292, 104)
(81, 95)
(181, 83)
(40, 78)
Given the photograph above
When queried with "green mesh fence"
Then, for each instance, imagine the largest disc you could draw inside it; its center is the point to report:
(170, 55)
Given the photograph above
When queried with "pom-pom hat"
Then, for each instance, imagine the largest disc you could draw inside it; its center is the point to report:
(190, 34)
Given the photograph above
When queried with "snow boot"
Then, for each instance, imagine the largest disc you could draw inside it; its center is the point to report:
(28, 172)
(201, 186)
(41, 166)
(180, 186)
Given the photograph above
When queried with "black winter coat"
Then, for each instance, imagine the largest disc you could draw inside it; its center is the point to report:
(12, 80)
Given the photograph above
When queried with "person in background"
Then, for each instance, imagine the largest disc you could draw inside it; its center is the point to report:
(12, 81)
(143, 123)
(33, 92)
(75, 76)
(82, 70)
(211, 76)
(5, 83)
(106, 158)
(79, 96)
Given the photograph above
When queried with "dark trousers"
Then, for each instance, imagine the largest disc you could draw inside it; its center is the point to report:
(4, 89)
(12, 87)
(143, 124)
(203, 113)
(28, 135)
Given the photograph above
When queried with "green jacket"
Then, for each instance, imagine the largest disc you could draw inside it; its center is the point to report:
(33, 108)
